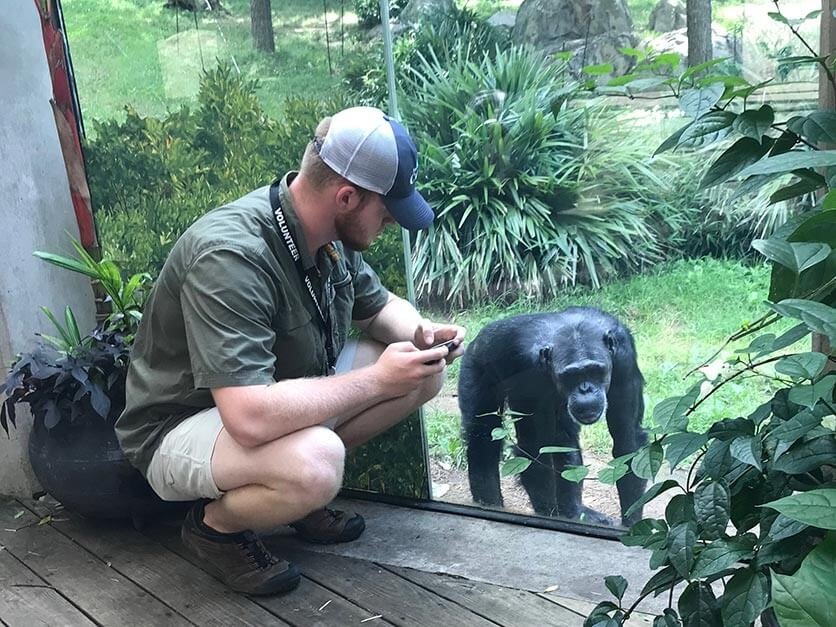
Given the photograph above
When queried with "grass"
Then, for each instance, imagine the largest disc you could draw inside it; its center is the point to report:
(140, 53)
(680, 314)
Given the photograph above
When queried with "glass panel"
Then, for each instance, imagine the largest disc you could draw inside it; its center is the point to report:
(539, 162)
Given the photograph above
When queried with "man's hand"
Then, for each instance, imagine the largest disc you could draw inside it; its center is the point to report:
(429, 333)
(401, 368)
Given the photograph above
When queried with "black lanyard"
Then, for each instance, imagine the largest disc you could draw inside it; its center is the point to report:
(324, 316)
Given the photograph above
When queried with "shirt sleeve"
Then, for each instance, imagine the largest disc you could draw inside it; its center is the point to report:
(225, 299)
(369, 294)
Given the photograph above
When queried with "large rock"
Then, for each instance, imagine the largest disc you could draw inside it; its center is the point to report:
(592, 30)
(419, 10)
(503, 19)
(722, 44)
(668, 15)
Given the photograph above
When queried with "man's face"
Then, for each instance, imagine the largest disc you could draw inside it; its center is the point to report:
(357, 228)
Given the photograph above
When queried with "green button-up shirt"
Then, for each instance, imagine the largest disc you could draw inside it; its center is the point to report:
(229, 308)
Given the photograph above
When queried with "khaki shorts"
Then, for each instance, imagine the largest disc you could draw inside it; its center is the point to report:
(181, 467)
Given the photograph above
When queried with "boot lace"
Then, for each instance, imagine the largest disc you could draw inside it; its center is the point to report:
(256, 552)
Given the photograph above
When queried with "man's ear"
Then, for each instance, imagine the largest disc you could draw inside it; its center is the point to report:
(348, 197)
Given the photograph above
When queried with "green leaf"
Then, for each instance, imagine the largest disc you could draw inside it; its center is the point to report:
(805, 599)
(601, 68)
(680, 509)
(754, 123)
(514, 466)
(654, 491)
(797, 257)
(698, 606)
(611, 473)
(739, 155)
(681, 541)
(818, 316)
(798, 332)
(809, 395)
(648, 533)
(746, 595)
(669, 414)
(708, 128)
(792, 160)
(829, 200)
(648, 460)
(778, 17)
(784, 527)
(816, 507)
(718, 556)
(796, 427)
(806, 185)
(557, 449)
(668, 618)
(499, 433)
(695, 102)
(806, 456)
(802, 365)
(661, 581)
(731, 428)
(817, 127)
(575, 474)
(711, 507)
(678, 446)
(747, 449)
(67, 263)
(617, 585)
(672, 141)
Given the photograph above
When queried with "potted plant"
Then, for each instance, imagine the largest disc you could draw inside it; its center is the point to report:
(74, 384)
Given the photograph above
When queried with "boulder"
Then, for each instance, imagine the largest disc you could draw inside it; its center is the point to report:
(417, 10)
(667, 15)
(722, 44)
(503, 19)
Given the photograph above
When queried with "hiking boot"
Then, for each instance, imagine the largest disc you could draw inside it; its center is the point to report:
(239, 560)
(329, 526)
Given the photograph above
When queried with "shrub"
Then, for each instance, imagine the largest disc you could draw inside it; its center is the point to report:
(368, 11)
(530, 193)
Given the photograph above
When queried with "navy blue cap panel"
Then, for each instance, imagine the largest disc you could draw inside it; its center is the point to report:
(407, 172)
(412, 213)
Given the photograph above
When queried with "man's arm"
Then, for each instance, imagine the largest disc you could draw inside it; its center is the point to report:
(257, 414)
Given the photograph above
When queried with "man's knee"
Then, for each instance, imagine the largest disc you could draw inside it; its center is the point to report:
(430, 388)
(319, 458)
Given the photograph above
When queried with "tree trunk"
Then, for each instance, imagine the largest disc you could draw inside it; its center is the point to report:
(261, 25)
(698, 20)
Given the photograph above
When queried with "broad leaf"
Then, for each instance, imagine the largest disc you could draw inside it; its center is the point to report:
(754, 123)
(648, 460)
(668, 618)
(805, 599)
(672, 141)
(695, 102)
(793, 160)
(711, 506)
(796, 427)
(654, 491)
(499, 433)
(802, 365)
(746, 595)
(817, 127)
(809, 395)
(784, 527)
(680, 509)
(708, 128)
(678, 446)
(661, 581)
(611, 473)
(816, 507)
(557, 449)
(797, 257)
(669, 414)
(747, 449)
(818, 316)
(739, 155)
(698, 606)
(806, 456)
(731, 428)
(809, 227)
(617, 585)
(575, 474)
(718, 556)
(648, 533)
(681, 541)
(514, 466)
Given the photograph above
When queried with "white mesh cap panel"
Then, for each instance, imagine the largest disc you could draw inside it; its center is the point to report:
(361, 147)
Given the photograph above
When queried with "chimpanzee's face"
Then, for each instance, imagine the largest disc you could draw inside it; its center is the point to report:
(584, 385)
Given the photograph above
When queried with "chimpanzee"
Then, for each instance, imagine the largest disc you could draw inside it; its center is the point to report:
(560, 370)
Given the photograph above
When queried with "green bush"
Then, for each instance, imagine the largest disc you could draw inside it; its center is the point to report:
(532, 194)
(151, 178)
(368, 11)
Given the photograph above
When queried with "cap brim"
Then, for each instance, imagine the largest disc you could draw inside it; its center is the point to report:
(412, 212)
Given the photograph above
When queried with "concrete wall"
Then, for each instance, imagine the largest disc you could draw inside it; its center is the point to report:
(35, 214)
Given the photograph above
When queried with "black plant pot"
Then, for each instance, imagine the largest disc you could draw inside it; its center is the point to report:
(83, 467)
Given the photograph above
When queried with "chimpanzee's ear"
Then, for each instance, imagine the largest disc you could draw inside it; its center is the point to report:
(546, 355)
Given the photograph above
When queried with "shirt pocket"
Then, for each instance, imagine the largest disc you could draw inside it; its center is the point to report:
(298, 346)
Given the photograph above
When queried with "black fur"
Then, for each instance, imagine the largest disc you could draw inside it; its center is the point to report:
(560, 369)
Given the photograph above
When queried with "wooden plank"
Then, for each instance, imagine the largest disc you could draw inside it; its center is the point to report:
(637, 619)
(506, 606)
(379, 591)
(26, 600)
(310, 605)
(166, 575)
(102, 593)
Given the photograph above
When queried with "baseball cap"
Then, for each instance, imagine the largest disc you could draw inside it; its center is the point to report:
(373, 151)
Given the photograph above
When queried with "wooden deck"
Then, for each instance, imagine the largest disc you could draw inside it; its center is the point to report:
(58, 569)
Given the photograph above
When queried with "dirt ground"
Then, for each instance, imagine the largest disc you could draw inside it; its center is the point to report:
(450, 484)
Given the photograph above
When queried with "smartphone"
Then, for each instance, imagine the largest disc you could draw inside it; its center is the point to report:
(450, 344)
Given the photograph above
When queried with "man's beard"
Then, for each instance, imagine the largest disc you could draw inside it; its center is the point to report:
(350, 234)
